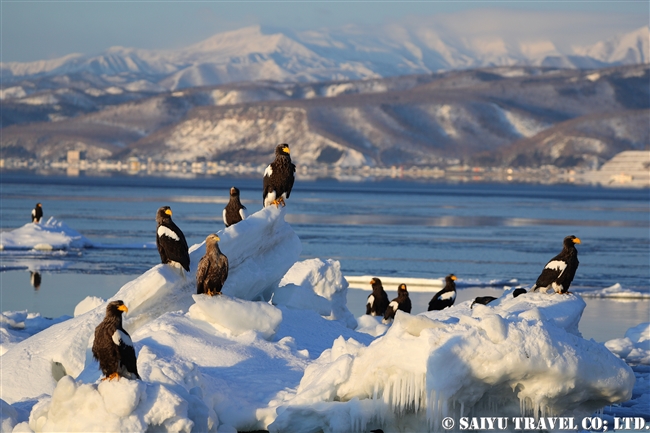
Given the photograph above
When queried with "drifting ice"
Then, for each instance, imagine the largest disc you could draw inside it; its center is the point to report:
(237, 362)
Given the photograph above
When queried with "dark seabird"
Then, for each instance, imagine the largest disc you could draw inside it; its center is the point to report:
(113, 348)
(483, 300)
(377, 300)
(37, 213)
(212, 271)
(402, 302)
(35, 279)
(559, 272)
(234, 210)
(518, 292)
(446, 297)
(279, 177)
(170, 240)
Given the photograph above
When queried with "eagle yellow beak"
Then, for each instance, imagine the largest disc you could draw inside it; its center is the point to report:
(215, 237)
(577, 241)
(453, 277)
(286, 149)
(168, 212)
(372, 281)
(123, 308)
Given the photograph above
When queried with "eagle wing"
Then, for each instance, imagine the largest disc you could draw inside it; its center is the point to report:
(201, 274)
(126, 350)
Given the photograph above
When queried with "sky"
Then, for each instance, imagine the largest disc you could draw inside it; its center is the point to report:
(47, 29)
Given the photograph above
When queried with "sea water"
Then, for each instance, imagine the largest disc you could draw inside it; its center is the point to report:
(396, 228)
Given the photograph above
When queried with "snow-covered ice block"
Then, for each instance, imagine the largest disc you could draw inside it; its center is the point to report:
(87, 304)
(317, 285)
(635, 346)
(371, 325)
(259, 260)
(236, 316)
(260, 250)
(49, 235)
(501, 360)
(123, 405)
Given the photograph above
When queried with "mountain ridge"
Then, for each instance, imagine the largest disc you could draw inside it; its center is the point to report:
(350, 53)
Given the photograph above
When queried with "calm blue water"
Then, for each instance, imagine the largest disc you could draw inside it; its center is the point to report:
(386, 228)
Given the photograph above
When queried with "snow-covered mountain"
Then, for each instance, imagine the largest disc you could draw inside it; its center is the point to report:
(254, 53)
(565, 117)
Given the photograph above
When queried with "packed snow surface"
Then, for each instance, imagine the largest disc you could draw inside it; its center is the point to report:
(278, 351)
(635, 346)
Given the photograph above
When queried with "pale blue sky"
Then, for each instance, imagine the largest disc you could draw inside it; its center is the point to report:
(35, 30)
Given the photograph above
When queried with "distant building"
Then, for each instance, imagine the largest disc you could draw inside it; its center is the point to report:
(74, 157)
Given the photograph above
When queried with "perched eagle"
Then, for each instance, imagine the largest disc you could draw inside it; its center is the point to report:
(170, 240)
(279, 177)
(446, 297)
(213, 268)
(377, 300)
(402, 302)
(483, 300)
(37, 213)
(559, 272)
(234, 210)
(113, 348)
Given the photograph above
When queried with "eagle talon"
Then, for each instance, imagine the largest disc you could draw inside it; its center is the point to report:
(112, 376)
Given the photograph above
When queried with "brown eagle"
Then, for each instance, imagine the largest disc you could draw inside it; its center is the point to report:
(212, 271)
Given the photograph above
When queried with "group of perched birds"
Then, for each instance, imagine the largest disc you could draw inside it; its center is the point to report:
(557, 275)
(113, 348)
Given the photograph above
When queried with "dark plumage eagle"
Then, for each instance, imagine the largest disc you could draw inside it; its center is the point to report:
(402, 302)
(37, 213)
(446, 297)
(377, 300)
(483, 300)
(559, 272)
(170, 240)
(234, 210)
(279, 177)
(113, 348)
(213, 268)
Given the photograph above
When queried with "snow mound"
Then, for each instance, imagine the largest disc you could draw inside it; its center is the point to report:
(371, 325)
(236, 316)
(87, 304)
(317, 285)
(521, 356)
(634, 348)
(50, 235)
(260, 250)
(122, 405)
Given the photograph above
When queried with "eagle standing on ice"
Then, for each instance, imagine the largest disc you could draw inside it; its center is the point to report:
(402, 302)
(37, 213)
(279, 177)
(170, 240)
(446, 297)
(559, 272)
(234, 210)
(377, 300)
(212, 271)
(113, 348)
